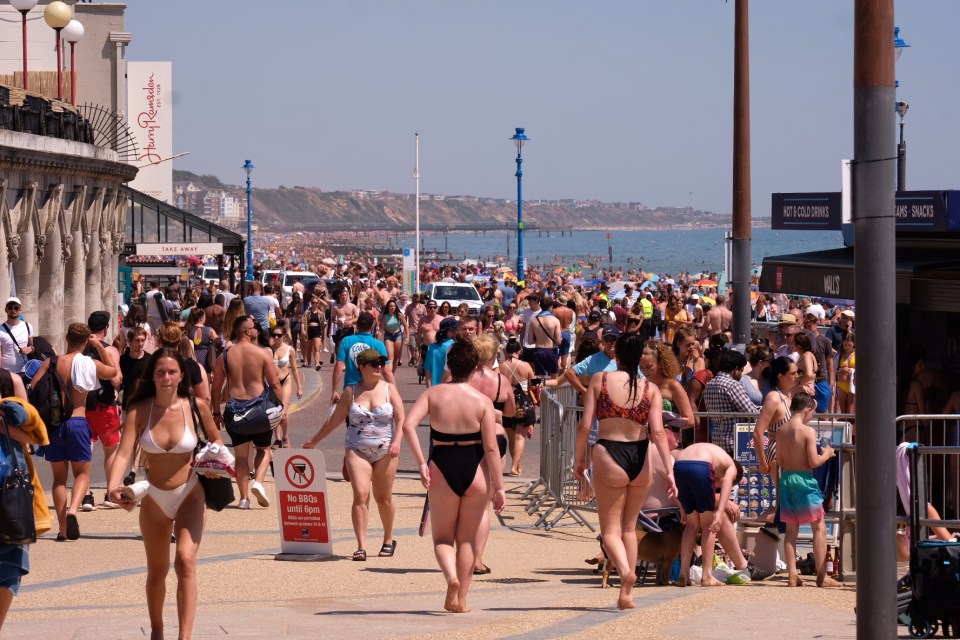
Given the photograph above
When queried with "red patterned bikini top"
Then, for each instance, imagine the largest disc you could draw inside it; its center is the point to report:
(606, 408)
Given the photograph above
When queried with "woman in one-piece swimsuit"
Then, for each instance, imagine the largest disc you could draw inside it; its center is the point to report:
(463, 442)
(629, 415)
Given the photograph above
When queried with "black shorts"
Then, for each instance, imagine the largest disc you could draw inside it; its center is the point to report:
(546, 362)
(263, 440)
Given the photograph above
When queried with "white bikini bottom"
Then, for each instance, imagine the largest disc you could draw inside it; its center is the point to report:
(170, 500)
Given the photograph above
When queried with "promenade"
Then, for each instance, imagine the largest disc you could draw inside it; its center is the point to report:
(539, 586)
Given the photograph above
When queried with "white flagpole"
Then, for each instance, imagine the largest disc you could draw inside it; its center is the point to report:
(416, 175)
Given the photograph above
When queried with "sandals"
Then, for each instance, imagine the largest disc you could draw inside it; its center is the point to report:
(387, 550)
(73, 527)
(359, 555)
(482, 572)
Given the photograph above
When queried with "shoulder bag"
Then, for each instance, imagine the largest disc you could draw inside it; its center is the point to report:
(17, 523)
(218, 492)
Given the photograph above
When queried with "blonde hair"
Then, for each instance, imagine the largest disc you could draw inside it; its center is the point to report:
(487, 347)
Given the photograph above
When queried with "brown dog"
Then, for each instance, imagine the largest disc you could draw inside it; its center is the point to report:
(660, 548)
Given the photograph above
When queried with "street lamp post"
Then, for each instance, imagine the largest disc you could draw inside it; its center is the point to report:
(24, 7)
(72, 33)
(898, 46)
(248, 167)
(58, 15)
(416, 207)
(519, 139)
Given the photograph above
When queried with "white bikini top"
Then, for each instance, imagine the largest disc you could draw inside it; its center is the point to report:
(188, 441)
(280, 363)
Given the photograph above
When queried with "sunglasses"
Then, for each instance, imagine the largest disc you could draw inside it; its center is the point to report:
(13, 307)
(375, 365)
(276, 335)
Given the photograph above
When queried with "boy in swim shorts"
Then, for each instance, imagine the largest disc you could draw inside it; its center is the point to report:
(800, 499)
(699, 470)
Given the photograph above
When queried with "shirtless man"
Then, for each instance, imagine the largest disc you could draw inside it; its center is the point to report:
(543, 335)
(800, 499)
(719, 318)
(427, 327)
(245, 367)
(71, 442)
(699, 470)
(343, 315)
(566, 316)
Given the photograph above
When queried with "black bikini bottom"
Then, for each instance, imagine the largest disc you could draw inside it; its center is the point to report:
(629, 455)
(502, 444)
(458, 464)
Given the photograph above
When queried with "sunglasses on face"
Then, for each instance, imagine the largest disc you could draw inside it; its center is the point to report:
(13, 307)
(375, 365)
(276, 335)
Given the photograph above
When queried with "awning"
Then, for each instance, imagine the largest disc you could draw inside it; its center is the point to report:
(830, 274)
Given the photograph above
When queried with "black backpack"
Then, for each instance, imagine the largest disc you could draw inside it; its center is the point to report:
(50, 397)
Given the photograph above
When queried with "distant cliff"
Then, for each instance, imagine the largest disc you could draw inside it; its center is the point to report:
(292, 206)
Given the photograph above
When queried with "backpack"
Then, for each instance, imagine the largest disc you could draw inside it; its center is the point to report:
(50, 396)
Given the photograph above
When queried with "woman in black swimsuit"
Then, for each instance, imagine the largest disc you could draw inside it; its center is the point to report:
(463, 435)
(629, 412)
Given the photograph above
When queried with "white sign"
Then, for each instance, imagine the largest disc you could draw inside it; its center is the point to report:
(409, 271)
(150, 118)
(302, 505)
(179, 248)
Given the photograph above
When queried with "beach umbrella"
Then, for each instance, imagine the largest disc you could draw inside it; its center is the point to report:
(707, 299)
(652, 277)
(705, 283)
(649, 284)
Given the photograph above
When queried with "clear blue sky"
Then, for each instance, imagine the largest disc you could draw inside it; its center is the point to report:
(623, 100)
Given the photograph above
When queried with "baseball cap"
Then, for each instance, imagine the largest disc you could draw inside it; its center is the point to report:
(695, 297)
(594, 316)
(14, 300)
(674, 421)
(98, 321)
(788, 318)
(448, 324)
(849, 313)
(369, 356)
(611, 332)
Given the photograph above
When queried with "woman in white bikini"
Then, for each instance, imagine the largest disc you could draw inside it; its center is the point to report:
(160, 419)
(373, 410)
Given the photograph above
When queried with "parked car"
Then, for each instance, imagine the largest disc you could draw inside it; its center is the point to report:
(455, 293)
(306, 277)
(211, 274)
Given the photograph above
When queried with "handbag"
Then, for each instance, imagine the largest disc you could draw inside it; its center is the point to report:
(218, 492)
(17, 523)
(255, 415)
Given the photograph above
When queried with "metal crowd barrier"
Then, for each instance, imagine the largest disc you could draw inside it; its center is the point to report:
(942, 480)
(557, 490)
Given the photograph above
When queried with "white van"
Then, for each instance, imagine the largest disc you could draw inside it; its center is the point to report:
(455, 293)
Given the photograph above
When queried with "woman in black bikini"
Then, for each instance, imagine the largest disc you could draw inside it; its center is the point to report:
(463, 435)
(629, 414)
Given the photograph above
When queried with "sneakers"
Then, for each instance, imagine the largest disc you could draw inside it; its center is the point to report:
(259, 493)
(108, 504)
(88, 504)
(243, 504)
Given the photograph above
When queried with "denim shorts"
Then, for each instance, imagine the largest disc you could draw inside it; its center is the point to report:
(14, 564)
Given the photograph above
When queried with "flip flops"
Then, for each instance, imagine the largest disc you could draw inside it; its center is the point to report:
(387, 550)
(482, 572)
(73, 527)
(359, 555)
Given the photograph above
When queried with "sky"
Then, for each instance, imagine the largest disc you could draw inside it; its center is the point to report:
(623, 100)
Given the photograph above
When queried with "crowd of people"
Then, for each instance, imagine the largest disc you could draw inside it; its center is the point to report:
(189, 361)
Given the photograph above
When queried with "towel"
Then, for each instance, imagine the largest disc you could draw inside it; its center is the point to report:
(903, 474)
(83, 373)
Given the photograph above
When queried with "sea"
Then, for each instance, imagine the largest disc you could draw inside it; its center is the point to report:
(666, 251)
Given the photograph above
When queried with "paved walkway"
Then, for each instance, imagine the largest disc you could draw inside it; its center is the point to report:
(539, 588)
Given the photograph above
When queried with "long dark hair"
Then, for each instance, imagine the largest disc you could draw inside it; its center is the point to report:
(629, 348)
(462, 359)
(780, 366)
(147, 388)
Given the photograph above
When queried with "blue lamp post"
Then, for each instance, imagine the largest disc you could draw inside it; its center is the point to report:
(248, 167)
(898, 46)
(518, 139)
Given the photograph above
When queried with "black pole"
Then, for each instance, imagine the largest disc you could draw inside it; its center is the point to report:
(742, 232)
(874, 271)
(902, 161)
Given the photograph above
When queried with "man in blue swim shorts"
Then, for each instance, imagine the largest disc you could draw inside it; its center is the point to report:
(69, 447)
(800, 499)
(699, 470)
